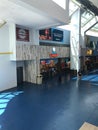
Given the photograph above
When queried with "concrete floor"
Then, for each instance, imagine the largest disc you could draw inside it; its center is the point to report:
(54, 105)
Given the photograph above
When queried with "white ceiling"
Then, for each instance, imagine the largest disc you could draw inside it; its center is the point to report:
(14, 12)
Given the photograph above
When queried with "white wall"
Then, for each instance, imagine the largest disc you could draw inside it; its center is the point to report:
(7, 67)
(35, 37)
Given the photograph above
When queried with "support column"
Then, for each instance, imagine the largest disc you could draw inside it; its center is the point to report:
(35, 36)
(32, 67)
(75, 48)
(30, 71)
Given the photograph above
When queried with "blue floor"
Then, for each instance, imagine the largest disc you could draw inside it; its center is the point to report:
(54, 105)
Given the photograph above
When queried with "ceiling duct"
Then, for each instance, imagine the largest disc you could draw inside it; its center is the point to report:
(89, 6)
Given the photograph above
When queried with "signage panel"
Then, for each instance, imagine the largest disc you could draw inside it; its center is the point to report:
(22, 34)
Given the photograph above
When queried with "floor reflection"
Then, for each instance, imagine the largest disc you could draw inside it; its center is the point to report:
(5, 98)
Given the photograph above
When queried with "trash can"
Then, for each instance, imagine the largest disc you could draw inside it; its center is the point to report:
(39, 79)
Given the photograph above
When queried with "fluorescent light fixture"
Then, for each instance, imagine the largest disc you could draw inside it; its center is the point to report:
(2, 22)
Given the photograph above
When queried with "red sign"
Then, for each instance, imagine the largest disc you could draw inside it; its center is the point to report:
(53, 55)
(22, 34)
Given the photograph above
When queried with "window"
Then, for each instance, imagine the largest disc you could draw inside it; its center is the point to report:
(61, 3)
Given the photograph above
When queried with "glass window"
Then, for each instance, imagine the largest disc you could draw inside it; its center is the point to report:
(61, 3)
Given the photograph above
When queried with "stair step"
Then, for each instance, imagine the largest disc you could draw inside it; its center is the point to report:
(88, 126)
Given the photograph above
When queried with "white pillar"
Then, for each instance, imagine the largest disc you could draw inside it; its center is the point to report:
(75, 50)
(35, 36)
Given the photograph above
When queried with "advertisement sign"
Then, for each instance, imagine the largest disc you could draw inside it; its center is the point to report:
(22, 34)
(53, 54)
(51, 34)
(45, 34)
(57, 35)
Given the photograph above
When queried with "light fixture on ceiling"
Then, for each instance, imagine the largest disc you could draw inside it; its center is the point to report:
(2, 22)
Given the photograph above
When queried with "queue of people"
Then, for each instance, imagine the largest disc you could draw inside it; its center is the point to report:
(48, 70)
